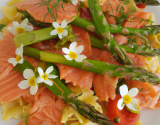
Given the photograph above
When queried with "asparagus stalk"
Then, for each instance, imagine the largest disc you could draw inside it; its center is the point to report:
(89, 25)
(103, 28)
(33, 37)
(44, 34)
(103, 68)
(60, 90)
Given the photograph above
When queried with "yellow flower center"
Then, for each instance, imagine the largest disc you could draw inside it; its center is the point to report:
(72, 55)
(60, 30)
(32, 81)
(20, 30)
(45, 76)
(127, 99)
(18, 58)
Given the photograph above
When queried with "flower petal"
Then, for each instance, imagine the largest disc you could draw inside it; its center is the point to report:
(67, 57)
(48, 82)
(131, 107)
(123, 90)
(49, 70)
(65, 50)
(12, 61)
(133, 92)
(11, 30)
(24, 22)
(120, 104)
(28, 73)
(33, 89)
(80, 58)
(60, 35)
(55, 25)
(53, 32)
(52, 76)
(17, 50)
(29, 28)
(134, 101)
(65, 32)
(21, 61)
(64, 24)
(72, 46)
(16, 24)
(23, 84)
(74, 2)
(39, 80)
(40, 71)
(79, 49)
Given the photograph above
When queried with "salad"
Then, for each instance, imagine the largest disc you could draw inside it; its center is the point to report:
(78, 62)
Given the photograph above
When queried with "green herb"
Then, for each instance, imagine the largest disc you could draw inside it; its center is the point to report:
(81, 5)
(52, 9)
(141, 89)
(116, 120)
(26, 119)
(2, 26)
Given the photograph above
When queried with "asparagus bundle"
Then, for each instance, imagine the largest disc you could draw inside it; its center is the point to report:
(103, 68)
(60, 90)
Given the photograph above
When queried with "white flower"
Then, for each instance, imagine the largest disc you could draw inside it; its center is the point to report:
(20, 28)
(74, 52)
(19, 56)
(131, 103)
(45, 76)
(59, 29)
(75, 2)
(30, 81)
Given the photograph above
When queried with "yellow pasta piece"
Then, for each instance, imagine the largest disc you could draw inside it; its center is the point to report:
(71, 116)
(14, 108)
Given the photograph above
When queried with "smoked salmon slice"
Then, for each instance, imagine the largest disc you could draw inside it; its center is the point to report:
(7, 50)
(105, 86)
(34, 8)
(9, 87)
(46, 108)
(137, 19)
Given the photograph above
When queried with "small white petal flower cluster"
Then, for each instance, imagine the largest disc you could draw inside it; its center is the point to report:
(19, 58)
(60, 29)
(127, 99)
(73, 53)
(32, 82)
(17, 28)
(75, 2)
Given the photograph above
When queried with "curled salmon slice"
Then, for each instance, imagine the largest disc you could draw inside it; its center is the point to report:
(34, 8)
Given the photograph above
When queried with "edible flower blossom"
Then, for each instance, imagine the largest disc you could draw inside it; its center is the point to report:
(46, 76)
(75, 2)
(74, 52)
(19, 56)
(31, 81)
(17, 28)
(127, 99)
(60, 29)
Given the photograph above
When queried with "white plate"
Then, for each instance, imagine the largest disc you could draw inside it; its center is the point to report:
(149, 117)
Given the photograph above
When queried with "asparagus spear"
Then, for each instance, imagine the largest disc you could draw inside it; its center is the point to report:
(103, 28)
(129, 72)
(44, 34)
(89, 25)
(60, 90)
